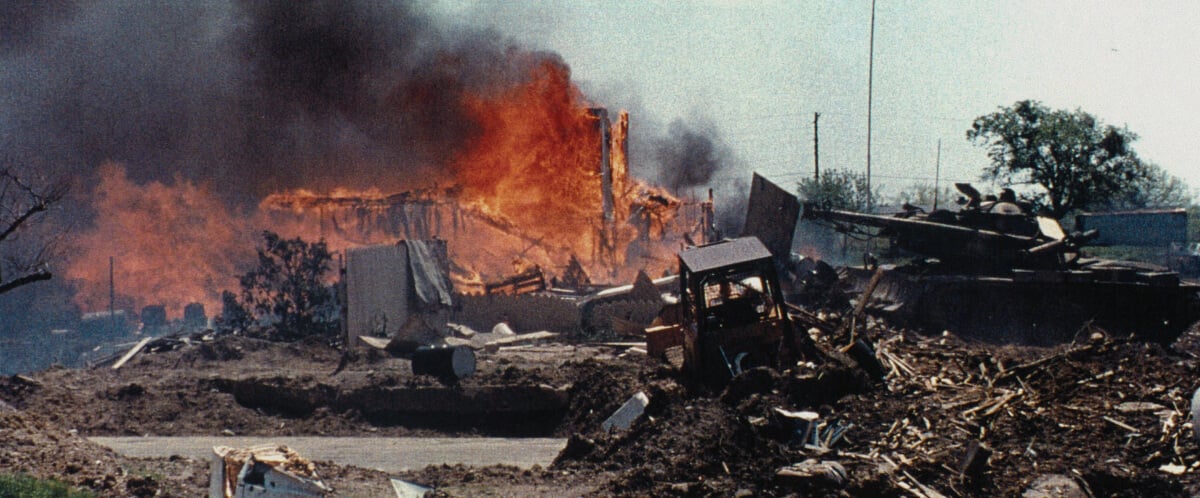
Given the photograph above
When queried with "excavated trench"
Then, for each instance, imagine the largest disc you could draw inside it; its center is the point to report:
(491, 410)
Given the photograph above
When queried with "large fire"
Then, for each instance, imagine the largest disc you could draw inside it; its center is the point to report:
(536, 159)
(156, 244)
(528, 187)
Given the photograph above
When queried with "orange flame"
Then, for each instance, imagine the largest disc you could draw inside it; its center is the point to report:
(526, 190)
(169, 245)
(536, 160)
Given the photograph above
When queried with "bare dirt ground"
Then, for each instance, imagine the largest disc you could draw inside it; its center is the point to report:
(1107, 413)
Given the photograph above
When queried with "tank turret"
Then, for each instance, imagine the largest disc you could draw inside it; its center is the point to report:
(995, 271)
(987, 234)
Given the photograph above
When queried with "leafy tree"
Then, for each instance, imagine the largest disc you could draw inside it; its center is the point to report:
(286, 288)
(1156, 190)
(234, 317)
(922, 194)
(25, 199)
(838, 188)
(1079, 162)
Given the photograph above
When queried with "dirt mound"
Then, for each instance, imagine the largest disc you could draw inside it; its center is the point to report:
(965, 419)
(950, 416)
(34, 447)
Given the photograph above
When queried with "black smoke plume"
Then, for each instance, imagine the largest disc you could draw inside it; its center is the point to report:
(691, 157)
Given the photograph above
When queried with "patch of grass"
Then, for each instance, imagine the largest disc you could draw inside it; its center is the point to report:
(23, 486)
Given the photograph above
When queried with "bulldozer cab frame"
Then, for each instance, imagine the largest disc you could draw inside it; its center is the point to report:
(732, 309)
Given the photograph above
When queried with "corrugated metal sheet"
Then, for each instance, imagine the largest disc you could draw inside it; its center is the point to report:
(724, 253)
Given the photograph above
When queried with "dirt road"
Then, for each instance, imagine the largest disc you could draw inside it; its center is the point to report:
(385, 454)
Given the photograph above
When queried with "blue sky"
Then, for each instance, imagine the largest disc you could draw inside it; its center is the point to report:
(759, 70)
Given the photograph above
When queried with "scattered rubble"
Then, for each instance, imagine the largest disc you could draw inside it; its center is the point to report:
(268, 471)
(626, 414)
(1111, 413)
(738, 393)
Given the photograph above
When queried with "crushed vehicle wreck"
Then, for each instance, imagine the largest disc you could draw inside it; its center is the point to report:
(1002, 273)
(730, 316)
(267, 471)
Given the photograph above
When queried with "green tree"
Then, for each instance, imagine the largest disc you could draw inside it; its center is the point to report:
(287, 288)
(838, 189)
(1079, 162)
(1156, 190)
(234, 317)
(923, 194)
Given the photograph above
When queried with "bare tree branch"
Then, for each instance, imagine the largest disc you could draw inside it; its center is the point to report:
(23, 202)
(27, 279)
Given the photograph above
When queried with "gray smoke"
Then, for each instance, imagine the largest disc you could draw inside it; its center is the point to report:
(264, 95)
(267, 95)
(691, 156)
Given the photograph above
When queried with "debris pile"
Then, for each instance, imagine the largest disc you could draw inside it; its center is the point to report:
(897, 413)
(950, 418)
(263, 471)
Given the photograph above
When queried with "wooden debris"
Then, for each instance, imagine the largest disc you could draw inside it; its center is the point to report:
(1139, 407)
(495, 344)
(813, 473)
(375, 342)
(1120, 424)
(627, 344)
(133, 351)
(991, 406)
(975, 461)
(1173, 469)
(812, 321)
(299, 473)
(663, 337)
(675, 356)
(29, 381)
(1025, 368)
(919, 490)
(850, 323)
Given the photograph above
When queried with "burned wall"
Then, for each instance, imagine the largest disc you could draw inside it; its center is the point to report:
(377, 290)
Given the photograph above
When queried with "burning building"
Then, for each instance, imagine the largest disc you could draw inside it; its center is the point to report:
(591, 213)
(356, 122)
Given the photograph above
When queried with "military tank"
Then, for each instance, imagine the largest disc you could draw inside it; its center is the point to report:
(993, 270)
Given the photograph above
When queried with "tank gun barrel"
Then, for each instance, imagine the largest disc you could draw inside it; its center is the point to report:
(1070, 242)
(908, 225)
(971, 240)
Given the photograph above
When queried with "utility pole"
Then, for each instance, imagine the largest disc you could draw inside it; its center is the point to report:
(816, 150)
(112, 297)
(937, 175)
(870, 84)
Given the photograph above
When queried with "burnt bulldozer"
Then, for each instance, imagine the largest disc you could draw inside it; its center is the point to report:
(995, 271)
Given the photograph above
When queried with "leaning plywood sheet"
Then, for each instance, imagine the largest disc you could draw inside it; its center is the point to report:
(771, 216)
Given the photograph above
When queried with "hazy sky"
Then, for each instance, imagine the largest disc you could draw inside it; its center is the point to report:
(759, 70)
